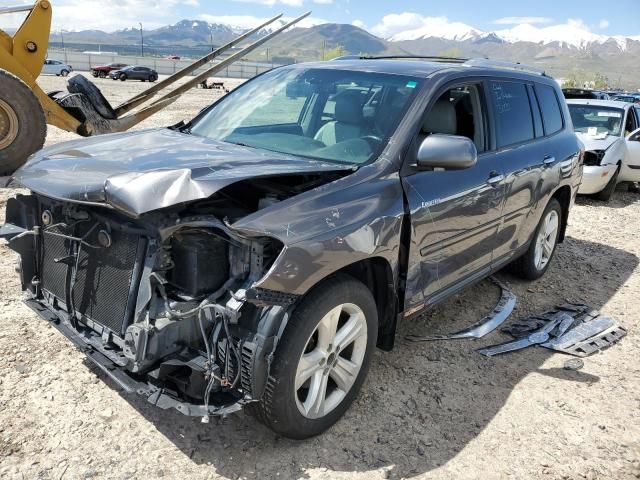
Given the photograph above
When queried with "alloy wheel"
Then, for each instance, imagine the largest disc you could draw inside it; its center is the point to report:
(331, 361)
(546, 241)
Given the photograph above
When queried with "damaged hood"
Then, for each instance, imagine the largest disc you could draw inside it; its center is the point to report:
(593, 142)
(138, 172)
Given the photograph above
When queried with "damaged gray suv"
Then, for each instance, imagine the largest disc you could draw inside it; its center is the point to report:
(257, 255)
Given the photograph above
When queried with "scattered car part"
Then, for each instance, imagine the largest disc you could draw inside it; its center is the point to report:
(534, 338)
(574, 364)
(488, 324)
(574, 329)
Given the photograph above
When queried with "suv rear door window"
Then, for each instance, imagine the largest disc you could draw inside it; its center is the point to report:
(514, 123)
(551, 113)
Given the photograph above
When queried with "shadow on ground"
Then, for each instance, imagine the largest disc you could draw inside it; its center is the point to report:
(422, 403)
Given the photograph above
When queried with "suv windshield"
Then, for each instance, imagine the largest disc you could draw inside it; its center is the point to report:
(596, 120)
(335, 115)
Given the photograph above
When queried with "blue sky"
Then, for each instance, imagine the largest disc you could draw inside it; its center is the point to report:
(383, 18)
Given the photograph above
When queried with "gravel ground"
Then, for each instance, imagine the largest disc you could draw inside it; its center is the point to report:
(435, 410)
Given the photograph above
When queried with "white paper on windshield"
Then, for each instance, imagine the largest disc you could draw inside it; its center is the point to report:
(593, 131)
(610, 114)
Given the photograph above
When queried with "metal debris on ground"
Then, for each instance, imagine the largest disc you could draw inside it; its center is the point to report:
(573, 364)
(488, 324)
(575, 329)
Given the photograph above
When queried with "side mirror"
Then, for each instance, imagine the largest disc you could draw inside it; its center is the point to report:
(450, 152)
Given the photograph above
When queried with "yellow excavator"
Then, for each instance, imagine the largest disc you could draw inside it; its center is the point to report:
(25, 109)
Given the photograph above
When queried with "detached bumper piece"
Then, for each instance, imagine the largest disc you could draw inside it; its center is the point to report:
(488, 324)
(154, 395)
(574, 329)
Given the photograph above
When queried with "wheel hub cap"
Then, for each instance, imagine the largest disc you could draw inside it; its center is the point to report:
(8, 125)
(546, 240)
(331, 361)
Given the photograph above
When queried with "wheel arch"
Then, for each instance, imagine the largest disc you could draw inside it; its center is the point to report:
(376, 273)
(563, 196)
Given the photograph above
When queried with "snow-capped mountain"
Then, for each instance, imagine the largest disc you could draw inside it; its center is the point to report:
(573, 34)
(448, 31)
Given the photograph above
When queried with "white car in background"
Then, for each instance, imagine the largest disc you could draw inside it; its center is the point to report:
(56, 67)
(610, 132)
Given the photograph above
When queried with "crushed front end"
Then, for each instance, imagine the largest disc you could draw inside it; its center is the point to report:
(164, 304)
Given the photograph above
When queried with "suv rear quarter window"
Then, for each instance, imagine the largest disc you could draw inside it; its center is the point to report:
(551, 113)
(514, 123)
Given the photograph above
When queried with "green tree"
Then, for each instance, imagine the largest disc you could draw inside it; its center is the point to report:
(600, 81)
(337, 51)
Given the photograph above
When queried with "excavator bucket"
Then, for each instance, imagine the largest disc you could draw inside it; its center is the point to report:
(25, 108)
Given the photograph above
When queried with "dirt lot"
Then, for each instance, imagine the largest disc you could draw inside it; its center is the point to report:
(438, 410)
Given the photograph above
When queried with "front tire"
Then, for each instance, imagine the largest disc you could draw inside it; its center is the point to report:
(64, 73)
(535, 262)
(606, 193)
(123, 77)
(23, 126)
(322, 359)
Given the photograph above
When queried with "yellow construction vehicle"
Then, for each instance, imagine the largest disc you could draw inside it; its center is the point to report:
(25, 108)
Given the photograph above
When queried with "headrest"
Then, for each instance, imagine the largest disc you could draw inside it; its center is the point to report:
(441, 119)
(349, 107)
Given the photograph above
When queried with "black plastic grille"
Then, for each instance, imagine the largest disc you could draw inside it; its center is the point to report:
(54, 274)
(103, 280)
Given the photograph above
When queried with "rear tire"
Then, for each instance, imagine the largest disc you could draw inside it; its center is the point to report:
(23, 126)
(311, 359)
(606, 193)
(535, 262)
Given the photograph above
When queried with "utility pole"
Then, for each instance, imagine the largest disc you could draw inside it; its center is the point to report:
(62, 40)
(211, 36)
(141, 39)
(324, 47)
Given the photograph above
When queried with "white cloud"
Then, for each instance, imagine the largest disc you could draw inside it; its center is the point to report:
(108, 16)
(397, 22)
(408, 25)
(359, 24)
(323, 2)
(604, 23)
(519, 20)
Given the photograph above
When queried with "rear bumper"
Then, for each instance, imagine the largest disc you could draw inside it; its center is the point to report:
(154, 395)
(595, 178)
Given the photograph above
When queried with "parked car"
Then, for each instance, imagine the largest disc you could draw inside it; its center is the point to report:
(56, 67)
(132, 72)
(610, 132)
(256, 255)
(629, 98)
(103, 70)
(173, 57)
(570, 93)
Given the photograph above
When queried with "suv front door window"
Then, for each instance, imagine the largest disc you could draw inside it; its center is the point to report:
(454, 213)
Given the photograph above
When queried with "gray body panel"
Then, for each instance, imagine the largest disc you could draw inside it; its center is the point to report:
(461, 228)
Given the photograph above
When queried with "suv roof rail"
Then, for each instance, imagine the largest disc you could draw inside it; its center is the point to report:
(431, 58)
(470, 62)
(487, 62)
